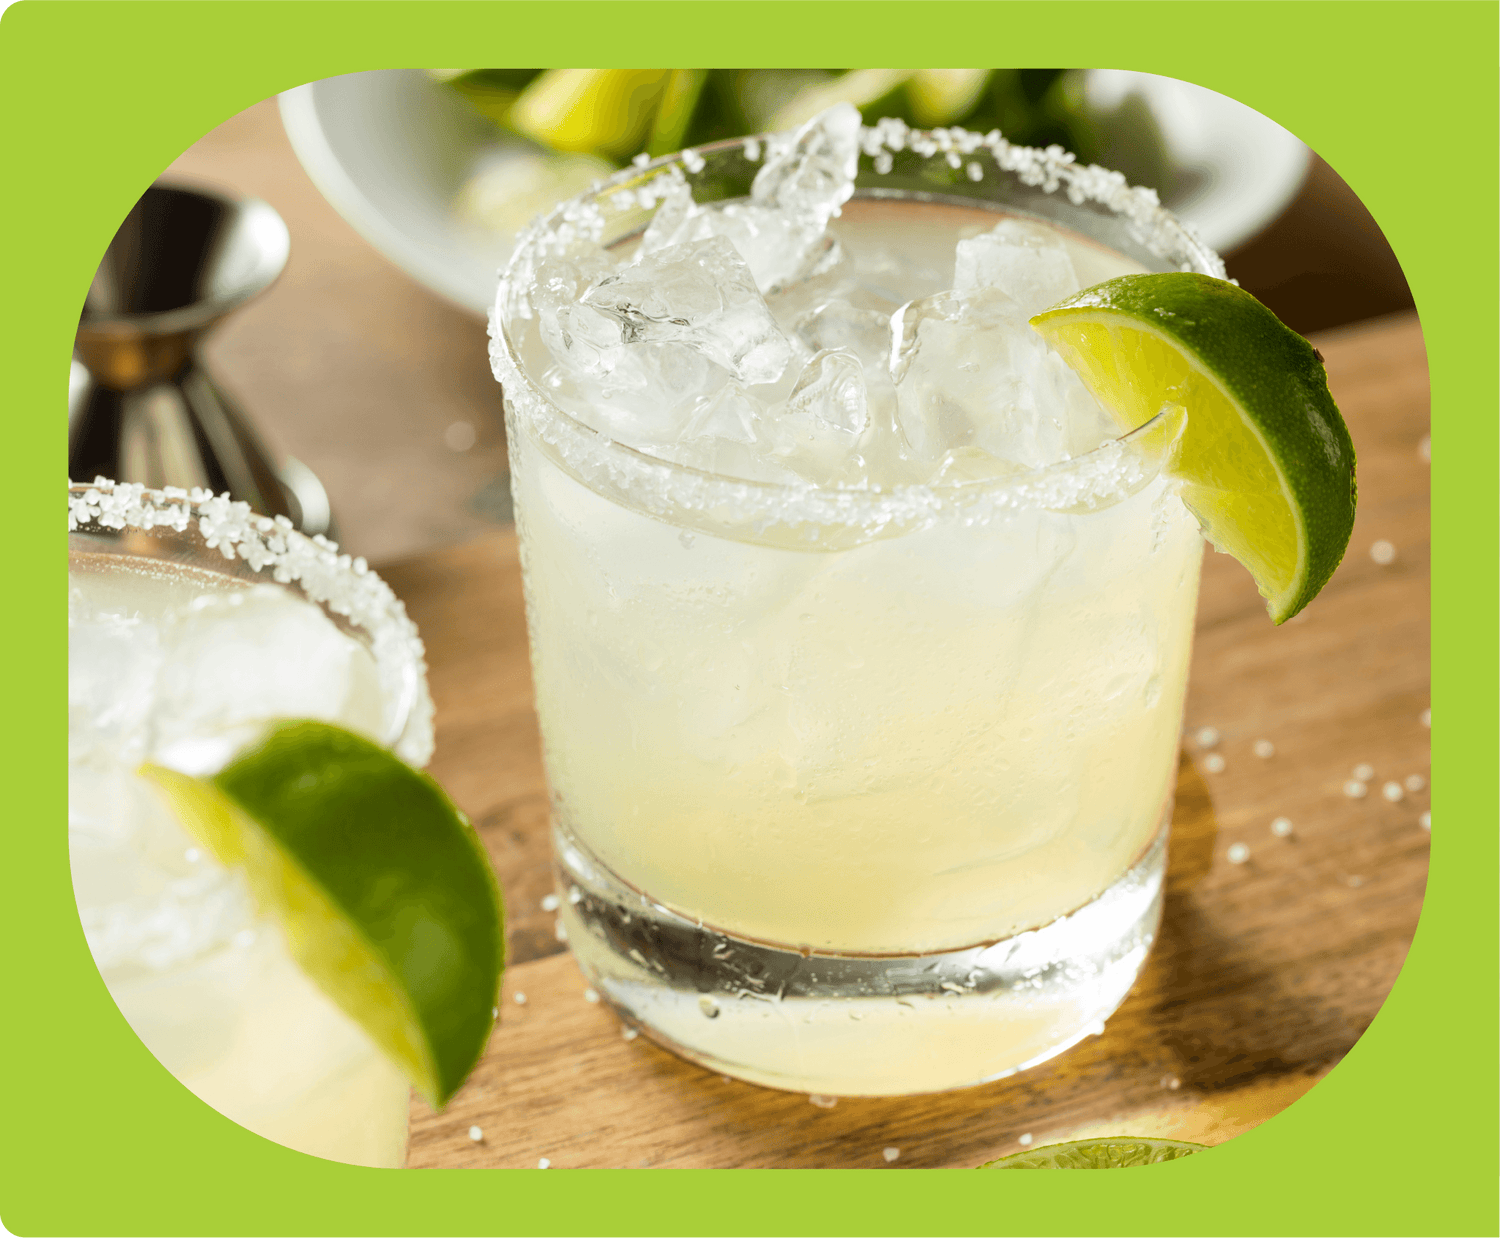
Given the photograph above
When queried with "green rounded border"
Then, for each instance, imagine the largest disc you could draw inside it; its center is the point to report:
(100, 95)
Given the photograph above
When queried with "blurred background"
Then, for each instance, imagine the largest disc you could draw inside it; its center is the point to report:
(366, 360)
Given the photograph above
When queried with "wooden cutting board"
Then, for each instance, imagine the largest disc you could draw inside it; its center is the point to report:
(1265, 973)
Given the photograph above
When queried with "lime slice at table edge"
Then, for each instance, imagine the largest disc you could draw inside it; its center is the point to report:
(1265, 463)
(384, 891)
(1114, 1152)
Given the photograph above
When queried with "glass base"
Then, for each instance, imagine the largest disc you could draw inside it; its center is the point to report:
(858, 1025)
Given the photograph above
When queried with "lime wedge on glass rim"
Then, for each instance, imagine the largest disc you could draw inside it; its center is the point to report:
(1116, 1152)
(382, 887)
(1265, 462)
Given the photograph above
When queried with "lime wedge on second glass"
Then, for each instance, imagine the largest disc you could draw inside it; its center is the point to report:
(1113, 1153)
(1265, 463)
(383, 889)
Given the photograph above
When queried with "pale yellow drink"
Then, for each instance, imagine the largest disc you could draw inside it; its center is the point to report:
(917, 744)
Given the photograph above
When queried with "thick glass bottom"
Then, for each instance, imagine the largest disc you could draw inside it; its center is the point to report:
(856, 1025)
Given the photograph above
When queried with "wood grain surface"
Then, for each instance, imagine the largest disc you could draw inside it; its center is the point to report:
(1264, 975)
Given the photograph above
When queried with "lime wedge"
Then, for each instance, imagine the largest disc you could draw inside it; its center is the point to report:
(1265, 464)
(1114, 1153)
(384, 891)
(590, 111)
(944, 96)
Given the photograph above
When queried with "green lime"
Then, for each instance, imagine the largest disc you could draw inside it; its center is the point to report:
(590, 111)
(1113, 1153)
(1265, 463)
(944, 96)
(384, 891)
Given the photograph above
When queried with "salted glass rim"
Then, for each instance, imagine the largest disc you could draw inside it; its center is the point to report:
(1050, 170)
(217, 531)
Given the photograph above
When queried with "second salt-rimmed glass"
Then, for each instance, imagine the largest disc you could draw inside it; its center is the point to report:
(206, 981)
(856, 790)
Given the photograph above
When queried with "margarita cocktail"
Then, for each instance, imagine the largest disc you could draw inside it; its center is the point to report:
(860, 635)
(191, 624)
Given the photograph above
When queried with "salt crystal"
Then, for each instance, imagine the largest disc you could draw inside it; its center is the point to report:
(1264, 748)
(1213, 763)
(1415, 782)
(1425, 717)
(890, 1154)
(1024, 1141)
(629, 1033)
(550, 903)
(1383, 552)
(591, 995)
(823, 1102)
(475, 1134)
(1206, 736)
(1364, 772)
(1171, 1082)
(519, 999)
(1238, 853)
(1355, 789)
(1392, 791)
(544, 1163)
(560, 931)
(1425, 820)
(1282, 827)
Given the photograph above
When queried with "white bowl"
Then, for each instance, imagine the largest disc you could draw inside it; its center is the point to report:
(391, 149)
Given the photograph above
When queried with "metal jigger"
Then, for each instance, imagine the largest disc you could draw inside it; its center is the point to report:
(141, 407)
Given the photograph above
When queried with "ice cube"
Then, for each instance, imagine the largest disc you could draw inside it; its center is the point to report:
(968, 373)
(838, 324)
(1026, 261)
(723, 436)
(829, 397)
(780, 232)
(566, 274)
(113, 662)
(814, 176)
(777, 248)
(730, 413)
(819, 433)
(700, 294)
(235, 661)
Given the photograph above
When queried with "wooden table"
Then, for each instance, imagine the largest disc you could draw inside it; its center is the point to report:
(1265, 973)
